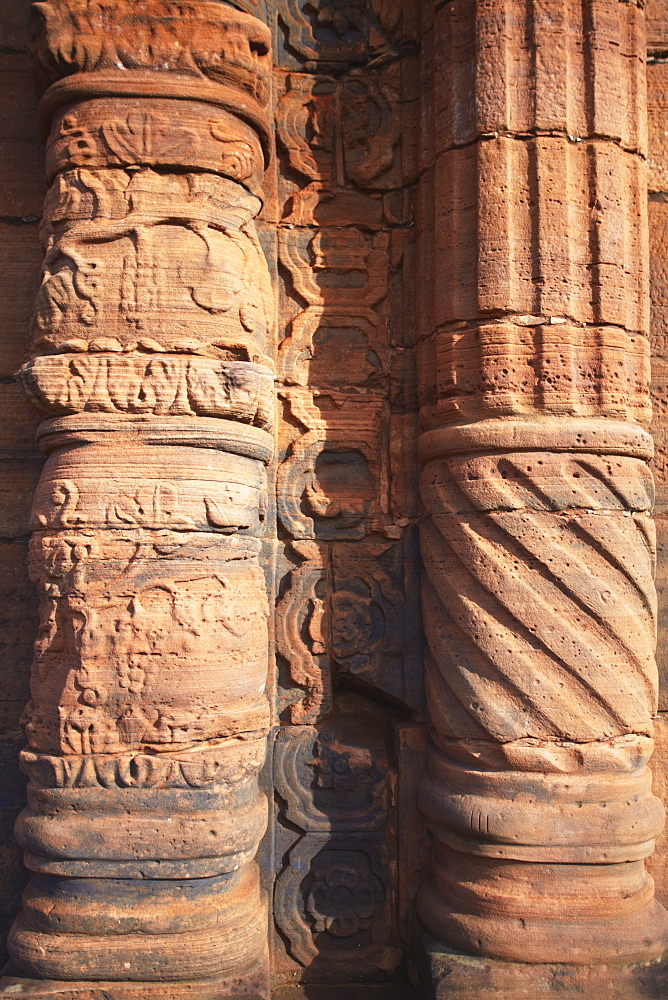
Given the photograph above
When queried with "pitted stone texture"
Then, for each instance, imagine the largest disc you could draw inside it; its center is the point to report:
(657, 108)
(539, 609)
(159, 263)
(571, 67)
(657, 25)
(494, 253)
(148, 718)
(109, 654)
(480, 370)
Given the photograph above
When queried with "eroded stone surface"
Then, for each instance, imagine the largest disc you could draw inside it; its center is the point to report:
(537, 543)
(148, 714)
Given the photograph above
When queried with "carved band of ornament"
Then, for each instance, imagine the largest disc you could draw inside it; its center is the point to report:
(339, 429)
(336, 131)
(207, 42)
(147, 198)
(147, 84)
(326, 33)
(622, 754)
(137, 492)
(166, 133)
(504, 368)
(151, 261)
(165, 385)
(536, 480)
(575, 818)
(230, 763)
(220, 486)
(165, 930)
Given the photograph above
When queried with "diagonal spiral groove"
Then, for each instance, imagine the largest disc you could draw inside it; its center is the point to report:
(539, 621)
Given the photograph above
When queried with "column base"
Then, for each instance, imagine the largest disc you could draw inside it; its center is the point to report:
(451, 975)
(252, 986)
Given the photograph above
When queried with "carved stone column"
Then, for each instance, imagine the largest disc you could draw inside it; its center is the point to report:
(148, 719)
(539, 603)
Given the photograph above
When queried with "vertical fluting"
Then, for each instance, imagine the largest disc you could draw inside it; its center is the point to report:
(151, 334)
(539, 603)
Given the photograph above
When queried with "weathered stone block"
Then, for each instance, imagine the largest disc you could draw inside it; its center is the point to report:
(451, 975)
(657, 864)
(657, 109)
(495, 253)
(578, 70)
(658, 276)
(18, 624)
(657, 25)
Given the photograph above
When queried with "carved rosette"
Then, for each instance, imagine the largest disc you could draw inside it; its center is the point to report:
(151, 343)
(538, 547)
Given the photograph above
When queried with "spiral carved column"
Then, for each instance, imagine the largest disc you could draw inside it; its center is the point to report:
(148, 719)
(538, 599)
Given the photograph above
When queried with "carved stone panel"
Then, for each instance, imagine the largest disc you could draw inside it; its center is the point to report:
(334, 896)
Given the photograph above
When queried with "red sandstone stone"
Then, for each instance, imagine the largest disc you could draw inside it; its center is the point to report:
(657, 25)
(156, 322)
(538, 597)
(148, 710)
(22, 182)
(574, 69)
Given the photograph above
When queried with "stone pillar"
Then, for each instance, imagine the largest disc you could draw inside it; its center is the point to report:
(148, 720)
(539, 602)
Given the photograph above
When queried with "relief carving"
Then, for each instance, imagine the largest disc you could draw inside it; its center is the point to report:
(205, 39)
(336, 133)
(375, 635)
(332, 32)
(152, 335)
(109, 652)
(329, 483)
(330, 265)
(302, 633)
(102, 133)
(319, 337)
(332, 898)
(108, 283)
(321, 32)
(167, 384)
